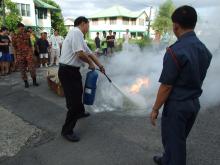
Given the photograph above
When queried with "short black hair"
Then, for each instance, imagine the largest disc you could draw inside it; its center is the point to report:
(80, 20)
(110, 31)
(185, 16)
(3, 28)
(20, 25)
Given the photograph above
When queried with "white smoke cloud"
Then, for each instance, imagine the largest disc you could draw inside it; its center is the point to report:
(126, 66)
(208, 29)
(124, 69)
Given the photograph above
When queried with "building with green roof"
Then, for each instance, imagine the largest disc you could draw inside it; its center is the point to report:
(36, 14)
(118, 19)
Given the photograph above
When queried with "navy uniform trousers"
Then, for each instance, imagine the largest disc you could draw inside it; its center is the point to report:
(178, 118)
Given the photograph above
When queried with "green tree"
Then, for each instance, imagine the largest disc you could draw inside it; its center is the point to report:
(12, 15)
(57, 20)
(163, 22)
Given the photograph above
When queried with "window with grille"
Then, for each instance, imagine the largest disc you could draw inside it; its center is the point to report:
(141, 22)
(42, 13)
(133, 21)
(95, 21)
(125, 21)
(24, 9)
(113, 20)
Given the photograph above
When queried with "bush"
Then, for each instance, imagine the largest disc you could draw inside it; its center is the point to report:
(91, 44)
(145, 42)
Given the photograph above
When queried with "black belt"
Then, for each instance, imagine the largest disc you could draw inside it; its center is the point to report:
(69, 66)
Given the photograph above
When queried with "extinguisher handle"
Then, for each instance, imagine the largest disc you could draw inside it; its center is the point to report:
(92, 69)
(105, 76)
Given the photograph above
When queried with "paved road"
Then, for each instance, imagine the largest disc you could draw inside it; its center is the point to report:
(107, 138)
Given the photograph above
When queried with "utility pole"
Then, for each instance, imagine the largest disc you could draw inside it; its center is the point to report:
(149, 22)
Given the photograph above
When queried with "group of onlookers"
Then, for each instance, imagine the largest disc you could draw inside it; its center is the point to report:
(46, 51)
(107, 43)
(7, 64)
(24, 51)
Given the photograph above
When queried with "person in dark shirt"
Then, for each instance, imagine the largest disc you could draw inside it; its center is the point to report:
(42, 47)
(110, 42)
(97, 43)
(184, 69)
(5, 57)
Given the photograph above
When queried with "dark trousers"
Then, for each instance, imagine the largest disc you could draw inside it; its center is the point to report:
(178, 118)
(71, 82)
(104, 51)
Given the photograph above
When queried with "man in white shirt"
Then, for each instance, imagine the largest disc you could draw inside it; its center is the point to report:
(55, 44)
(74, 53)
(127, 37)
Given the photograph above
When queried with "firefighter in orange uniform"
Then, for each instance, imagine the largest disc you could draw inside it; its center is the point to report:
(24, 54)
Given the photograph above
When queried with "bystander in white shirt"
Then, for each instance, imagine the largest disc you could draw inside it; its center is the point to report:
(56, 43)
(127, 37)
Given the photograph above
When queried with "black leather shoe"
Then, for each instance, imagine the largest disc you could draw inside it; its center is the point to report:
(84, 115)
(35, 82)
(26, 84)
(157, 160)
(71, 137)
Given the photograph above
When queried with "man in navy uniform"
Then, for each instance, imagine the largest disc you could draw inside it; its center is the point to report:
(184, 69)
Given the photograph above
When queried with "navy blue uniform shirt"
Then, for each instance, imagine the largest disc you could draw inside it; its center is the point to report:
(185, 68)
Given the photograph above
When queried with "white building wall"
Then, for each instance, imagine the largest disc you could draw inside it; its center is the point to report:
(69, 24)
(28, 21)
(119, 26)
(33, 19)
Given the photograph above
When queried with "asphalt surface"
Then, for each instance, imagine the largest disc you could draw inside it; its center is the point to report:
(107, 138)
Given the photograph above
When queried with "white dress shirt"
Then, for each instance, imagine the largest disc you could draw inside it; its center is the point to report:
(55, 41)
(74, 42)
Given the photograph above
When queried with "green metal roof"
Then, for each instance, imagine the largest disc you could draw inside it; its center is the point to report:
(117, 11)
(41, 4)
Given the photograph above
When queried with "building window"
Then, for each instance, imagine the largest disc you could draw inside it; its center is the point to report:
(24, 9)
(141, 22)
(133, 21)
(125, 21)
(113, 20)
(28, 9)
(95, 21)
(42, 13)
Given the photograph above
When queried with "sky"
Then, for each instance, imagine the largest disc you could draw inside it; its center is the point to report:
(75, 8)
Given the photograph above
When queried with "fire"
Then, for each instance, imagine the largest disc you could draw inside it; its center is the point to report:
(140, 82)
